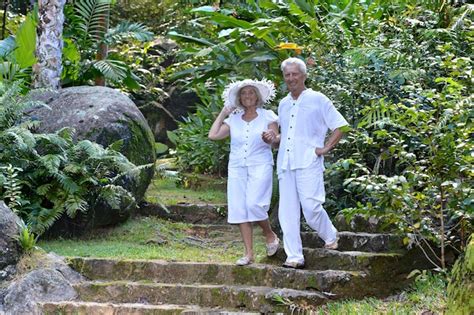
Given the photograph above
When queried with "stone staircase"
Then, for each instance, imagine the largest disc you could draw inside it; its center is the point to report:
(366, 264)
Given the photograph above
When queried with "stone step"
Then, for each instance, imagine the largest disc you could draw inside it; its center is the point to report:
(351, 241)
(337, 282)
(323, 259)
(255, 298)
(190, 213)
(348, 241)
(87, 308)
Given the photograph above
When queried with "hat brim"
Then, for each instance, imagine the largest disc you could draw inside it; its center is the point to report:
(265, 88)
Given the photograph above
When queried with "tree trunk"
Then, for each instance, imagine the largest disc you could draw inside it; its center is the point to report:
(4, 20)
(103, 49)
(49, 44)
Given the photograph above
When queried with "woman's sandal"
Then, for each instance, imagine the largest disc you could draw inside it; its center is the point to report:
(272, 247)
(244, 261)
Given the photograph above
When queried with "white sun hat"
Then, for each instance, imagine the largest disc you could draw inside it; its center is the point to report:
(265, 88)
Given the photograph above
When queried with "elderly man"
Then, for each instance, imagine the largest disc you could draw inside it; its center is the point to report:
(305, 117)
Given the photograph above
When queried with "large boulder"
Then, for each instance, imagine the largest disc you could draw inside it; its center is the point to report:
(37, 286)
(52, 280)
(102, 115)
(10, 250)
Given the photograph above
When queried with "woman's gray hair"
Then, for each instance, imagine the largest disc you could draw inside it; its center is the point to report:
(296, 61)
(259, 97)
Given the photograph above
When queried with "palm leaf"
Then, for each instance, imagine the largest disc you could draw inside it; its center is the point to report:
(114, 70)
(127, 30)
(91, 16)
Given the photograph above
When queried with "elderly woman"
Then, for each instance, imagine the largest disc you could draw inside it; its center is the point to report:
(250, 169)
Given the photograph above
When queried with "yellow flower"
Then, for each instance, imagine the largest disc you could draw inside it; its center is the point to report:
(291, 46)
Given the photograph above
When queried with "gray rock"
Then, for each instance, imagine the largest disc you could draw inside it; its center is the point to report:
(10, 249)
(37, 286)
(57, 262)
(102, 115)
(7, 273)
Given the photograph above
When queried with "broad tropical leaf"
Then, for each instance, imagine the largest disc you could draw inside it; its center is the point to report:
(25, 39)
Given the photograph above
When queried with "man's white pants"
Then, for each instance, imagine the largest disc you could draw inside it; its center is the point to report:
(305, 186)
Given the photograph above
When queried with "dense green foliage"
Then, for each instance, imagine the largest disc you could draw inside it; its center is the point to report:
(89, 50)
(461, 286)
(48, 175)
(91, 46)
(399, 71)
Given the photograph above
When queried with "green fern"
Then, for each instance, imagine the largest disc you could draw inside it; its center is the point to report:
(55, 175)
(11, 186)
(26, 238)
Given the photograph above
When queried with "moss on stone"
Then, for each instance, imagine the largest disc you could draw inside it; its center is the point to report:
(312, 282)
(211, 273)
(244, 275)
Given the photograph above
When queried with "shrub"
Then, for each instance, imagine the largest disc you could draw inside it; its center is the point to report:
(53, 175)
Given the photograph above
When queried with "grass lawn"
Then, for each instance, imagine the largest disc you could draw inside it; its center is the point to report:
(164, 191)
(154, 238)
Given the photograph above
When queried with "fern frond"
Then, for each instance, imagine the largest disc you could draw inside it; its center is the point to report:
(16, 139)
(88, 147)
(114, 70)
(112, 195)
(28, 138)
(73, 204)
(43, 219)
(44, 189)
(127, 30)
(67, 183)
(133, 172)
(51, 162)
(75, 168)
(53, 139)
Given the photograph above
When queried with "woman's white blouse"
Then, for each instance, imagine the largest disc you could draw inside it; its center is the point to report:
(246, 145)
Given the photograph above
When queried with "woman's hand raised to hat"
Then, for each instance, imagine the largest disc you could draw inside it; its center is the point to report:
(226, 110)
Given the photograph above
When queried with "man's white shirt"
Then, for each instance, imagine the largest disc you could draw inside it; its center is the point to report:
(304, 123)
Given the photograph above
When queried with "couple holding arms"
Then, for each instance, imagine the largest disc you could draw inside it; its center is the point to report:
(304, 117)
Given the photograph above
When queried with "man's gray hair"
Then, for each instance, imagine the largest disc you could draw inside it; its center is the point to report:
(295, 61)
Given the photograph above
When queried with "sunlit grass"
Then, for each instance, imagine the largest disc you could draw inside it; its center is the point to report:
(164, 191)
(139, 238)
(426, 296)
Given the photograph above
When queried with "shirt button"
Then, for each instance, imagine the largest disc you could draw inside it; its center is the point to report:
(291, 127)
(292, 115)
(288, 138)
(287, 150)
